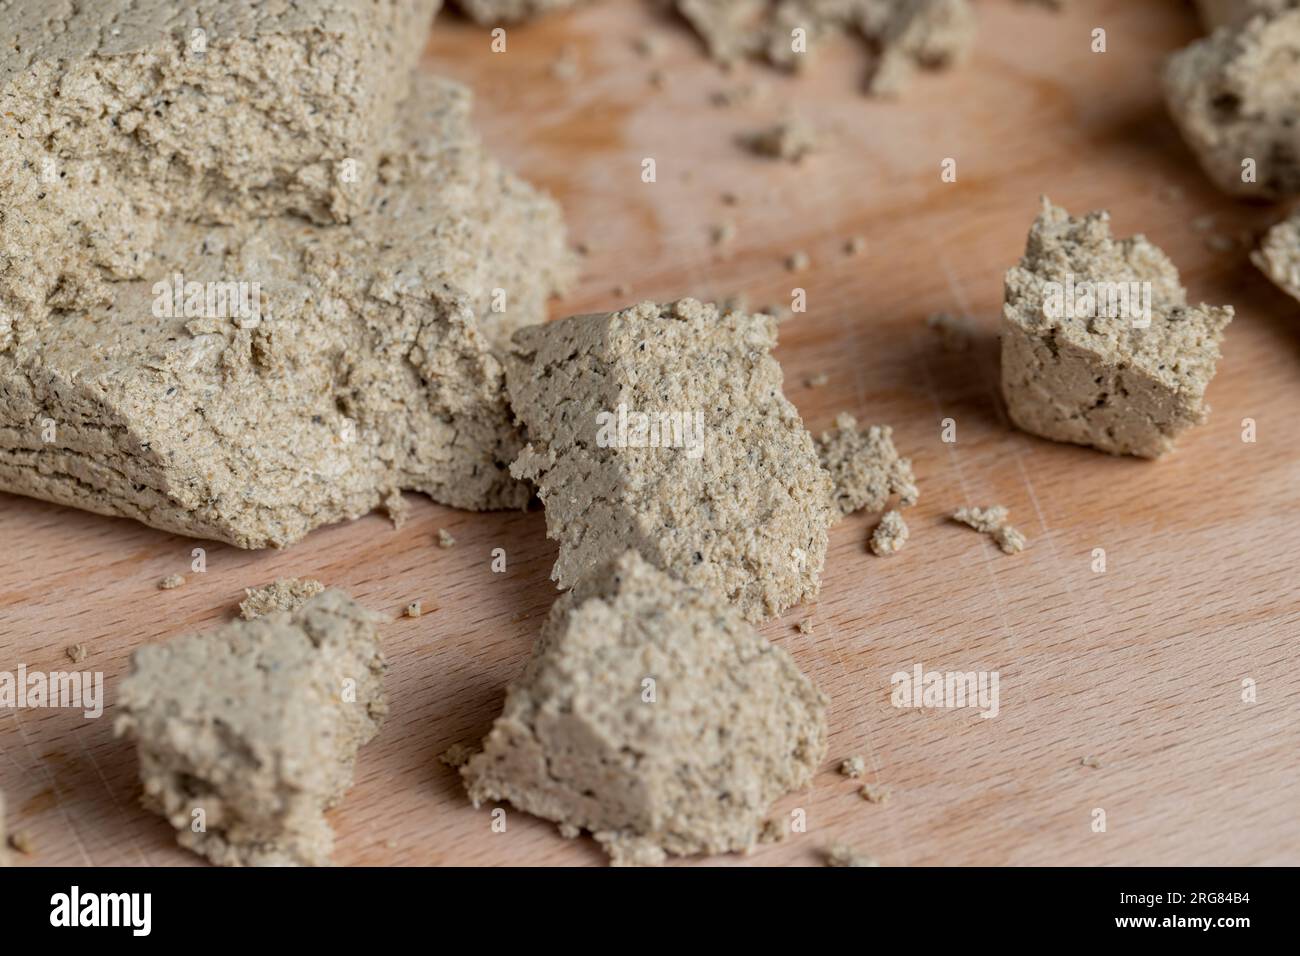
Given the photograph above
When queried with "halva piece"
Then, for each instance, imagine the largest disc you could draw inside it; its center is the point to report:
(889, 535)
(865, 467)
(901, 34)
(992, 521)
(663, 428)
(1235, 95)
(652, 715)
(266, 378)
(1234, 13)
(1099, 345)
(1278, 256)
(282, 594)
(217, 109)
(253, 729)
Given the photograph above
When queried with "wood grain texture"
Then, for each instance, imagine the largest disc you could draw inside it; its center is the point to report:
(1140, 666)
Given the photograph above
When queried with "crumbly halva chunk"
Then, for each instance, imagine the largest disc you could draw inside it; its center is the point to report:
(1099, 344)
(992, 521)
(1234, 13)
(118, 98)
(510, 11)
(1278, 256)
(841, 854)
(1235, 95)
(282, 594)
(901, 34)
(889, 535)
(257, 724)
(267, 378)
(663, 428)
(865, 467)
(652, 715)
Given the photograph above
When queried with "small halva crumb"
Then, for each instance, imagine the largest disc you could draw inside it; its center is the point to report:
(864, 466)
(652, 715)
(445, 539)
(1091, 761)
(414, 609)
(805, 626)
(890, 534)
(22, 841)
(841, 854)
(854, 766)
(171, 581)
(397, 508)
(457, 755)
(76, 653)
(790, 140)
(284, 594)
(817, 381)
(992, 521)
(798, 261)
(875, 793)
(772, 831)
(855, 246)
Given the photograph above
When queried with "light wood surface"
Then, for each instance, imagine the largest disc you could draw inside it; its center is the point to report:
(1140, 666)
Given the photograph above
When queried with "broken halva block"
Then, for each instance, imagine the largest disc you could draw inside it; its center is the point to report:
(1235, 96)
(264, 378)
(220, 109)
(1278, 256)
(1099, 345)
(253, 729)
(652, 715)
(663, 428)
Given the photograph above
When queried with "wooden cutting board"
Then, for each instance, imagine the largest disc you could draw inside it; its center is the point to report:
(1140, 666)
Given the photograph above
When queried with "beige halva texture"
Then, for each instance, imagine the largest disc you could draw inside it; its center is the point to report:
(257, 725)
(1099, 380)
(1235, 95)
(1217, 13)
(901, 34)
(119, 116)
(365, 365)
(733, 500)
(1278, 256)
(652, 715)
(282, 594)
(865, 467)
